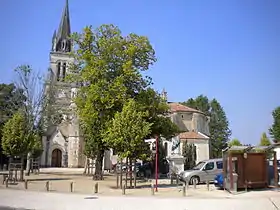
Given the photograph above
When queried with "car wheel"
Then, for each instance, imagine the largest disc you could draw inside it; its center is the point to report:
(194, 179)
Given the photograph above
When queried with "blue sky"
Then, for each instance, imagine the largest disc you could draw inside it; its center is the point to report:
(229, 50)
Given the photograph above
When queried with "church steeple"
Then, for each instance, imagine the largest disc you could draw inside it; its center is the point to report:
(61, 40)
(164, 94)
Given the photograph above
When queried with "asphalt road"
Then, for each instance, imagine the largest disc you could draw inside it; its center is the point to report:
(58, 201)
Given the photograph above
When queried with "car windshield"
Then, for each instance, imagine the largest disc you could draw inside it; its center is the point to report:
(198, 166)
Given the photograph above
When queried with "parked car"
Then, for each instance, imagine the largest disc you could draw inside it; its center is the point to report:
(203, 171)
(144, 170)
(219, 181)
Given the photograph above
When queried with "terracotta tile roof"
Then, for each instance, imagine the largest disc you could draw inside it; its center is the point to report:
(177, 107)
(191, 135)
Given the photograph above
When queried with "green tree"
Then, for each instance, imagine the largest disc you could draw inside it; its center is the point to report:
(109, 66)
(31, 84)
(189, 153)
(234, 142)
(264, 140)
(11, 99)
(15, 141)
(218, 126)
(158, 111)
(127, 131)
(274, 131)
(200, 103)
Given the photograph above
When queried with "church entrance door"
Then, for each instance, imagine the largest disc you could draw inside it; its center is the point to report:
(56, 158)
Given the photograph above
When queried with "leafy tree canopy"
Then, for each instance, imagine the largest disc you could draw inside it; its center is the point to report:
(157, 108)
(200, 103)
(127, 130)
(234, 142)
(108, 66)
(264, 140)
(11, 99)
(15, 142)
(275, 128)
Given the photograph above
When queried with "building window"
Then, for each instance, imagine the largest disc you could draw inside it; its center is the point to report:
(58, 71)
(182, 116)
(63, 71)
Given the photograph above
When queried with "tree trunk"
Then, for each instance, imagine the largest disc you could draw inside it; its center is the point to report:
(86, 165)
(121, 176)
(10, 161)
(130, 172)
(21, 169)
(28, 164)
(134, 173)
(126, 172)
(98, 174)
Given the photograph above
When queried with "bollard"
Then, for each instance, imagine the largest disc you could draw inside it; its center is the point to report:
(96, 187)
(152, 189)
(71, 186)
(47, 186)
(207, 183)
(194, 184)
(246, 186)
(184, 190)
(123, 189)
(26, 184)
(186, 183)
(118, 180)
(6, 182)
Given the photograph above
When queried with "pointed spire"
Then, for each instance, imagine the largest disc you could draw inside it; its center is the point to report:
(164, 94)
(63, 43)
(64, 29)
(54, 41)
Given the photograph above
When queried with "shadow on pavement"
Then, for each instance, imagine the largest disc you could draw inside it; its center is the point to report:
(12, 208)
(47, 179)
(147, 186)
(88, 198)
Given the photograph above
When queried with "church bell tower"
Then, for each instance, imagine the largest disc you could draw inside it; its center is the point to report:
(61, 47)
(65, 135)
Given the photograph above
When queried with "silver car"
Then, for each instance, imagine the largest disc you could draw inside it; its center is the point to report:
(203, 171)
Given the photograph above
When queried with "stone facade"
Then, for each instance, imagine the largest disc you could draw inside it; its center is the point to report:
(196, 127)
(63, 143)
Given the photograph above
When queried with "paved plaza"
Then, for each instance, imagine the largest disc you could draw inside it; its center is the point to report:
(61, 201)
(108, 197)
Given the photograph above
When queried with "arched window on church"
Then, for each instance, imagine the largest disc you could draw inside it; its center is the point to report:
(58, 71)
(63, 71)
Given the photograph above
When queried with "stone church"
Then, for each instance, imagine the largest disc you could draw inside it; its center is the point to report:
(62, 144)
